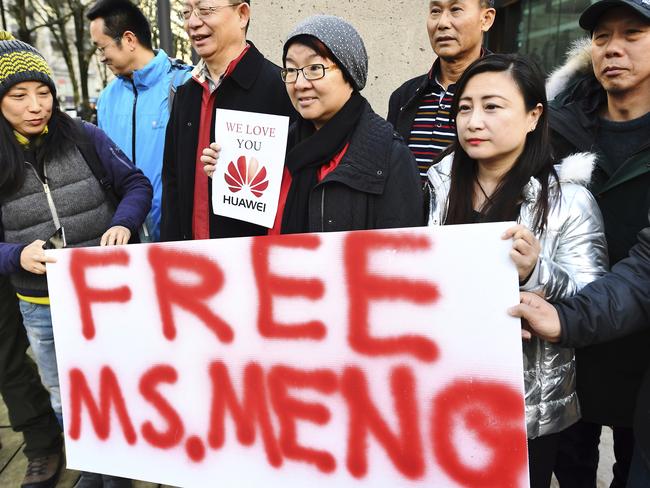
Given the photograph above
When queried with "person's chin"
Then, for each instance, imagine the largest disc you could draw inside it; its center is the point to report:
(204, 50)
(33, 131)
(308, 113)
(447, 53)
(475, 152)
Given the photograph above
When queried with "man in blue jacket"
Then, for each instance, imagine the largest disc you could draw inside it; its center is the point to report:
(134, 108)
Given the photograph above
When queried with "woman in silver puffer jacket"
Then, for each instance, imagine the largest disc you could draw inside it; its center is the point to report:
(500, 169)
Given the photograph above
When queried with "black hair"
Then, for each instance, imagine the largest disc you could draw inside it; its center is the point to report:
(535, 160)
(319, 48)
(121, 16)
(63, 133)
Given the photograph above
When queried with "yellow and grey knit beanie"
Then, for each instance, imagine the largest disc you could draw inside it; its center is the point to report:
(21, 62)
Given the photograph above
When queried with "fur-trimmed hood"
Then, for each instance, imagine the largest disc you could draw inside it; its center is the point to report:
(573, 171)
(577, 65)
(576, 168)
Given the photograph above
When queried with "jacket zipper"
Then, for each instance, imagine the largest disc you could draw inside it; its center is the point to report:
(133, 118)
(48, 195)
(322, 210)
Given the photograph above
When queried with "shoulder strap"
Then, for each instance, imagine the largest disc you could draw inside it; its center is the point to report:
(178, 68)
(89, 153)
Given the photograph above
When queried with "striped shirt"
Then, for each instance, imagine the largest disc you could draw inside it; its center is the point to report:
(432, 130)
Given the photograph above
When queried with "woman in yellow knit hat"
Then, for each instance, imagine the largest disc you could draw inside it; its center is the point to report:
(63, 183)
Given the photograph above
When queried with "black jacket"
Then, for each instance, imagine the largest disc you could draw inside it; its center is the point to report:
(254, 86)
(404, 103)
(609, 375)
(375, 186)
(615, 305)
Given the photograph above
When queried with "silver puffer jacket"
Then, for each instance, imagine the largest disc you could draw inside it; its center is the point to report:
(573, 253)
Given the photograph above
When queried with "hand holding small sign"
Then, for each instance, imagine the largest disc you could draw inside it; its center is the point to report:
(210, 157)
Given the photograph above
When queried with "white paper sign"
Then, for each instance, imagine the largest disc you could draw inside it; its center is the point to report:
(355, 359)
(246, 183)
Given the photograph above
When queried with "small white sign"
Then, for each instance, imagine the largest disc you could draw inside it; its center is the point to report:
(246, 183)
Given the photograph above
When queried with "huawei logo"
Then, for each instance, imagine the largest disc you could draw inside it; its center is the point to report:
(251, 175)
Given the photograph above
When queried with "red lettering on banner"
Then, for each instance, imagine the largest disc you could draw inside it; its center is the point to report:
(364, 287)
(404, 449)
(494, 413)
(189, 297)
(255, 408)
(270, 285)
(80, 261)
(149, 382)
(288, 409)
(110, 393)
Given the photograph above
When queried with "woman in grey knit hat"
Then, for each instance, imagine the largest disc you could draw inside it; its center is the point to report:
(345, 168)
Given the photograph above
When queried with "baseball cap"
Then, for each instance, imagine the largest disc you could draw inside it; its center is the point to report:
(589, 18)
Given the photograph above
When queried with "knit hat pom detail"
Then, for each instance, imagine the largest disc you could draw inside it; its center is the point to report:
(6, 36)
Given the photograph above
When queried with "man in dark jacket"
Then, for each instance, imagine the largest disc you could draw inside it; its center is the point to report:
(608, 308)
(232, 74)
(420, 109)
(602, 104)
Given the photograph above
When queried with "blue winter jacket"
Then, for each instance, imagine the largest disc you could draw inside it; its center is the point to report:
(125, 179)
(144, 97)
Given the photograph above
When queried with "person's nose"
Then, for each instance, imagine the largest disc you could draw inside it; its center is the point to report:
(444, 21)
(302, 82)
(34, 105)
(475, 120)
(194, 21)
(614, 47)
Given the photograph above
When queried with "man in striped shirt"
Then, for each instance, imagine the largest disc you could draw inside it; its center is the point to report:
(420, 109)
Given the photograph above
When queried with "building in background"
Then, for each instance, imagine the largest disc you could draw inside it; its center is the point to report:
(542, 29)
(394, 33)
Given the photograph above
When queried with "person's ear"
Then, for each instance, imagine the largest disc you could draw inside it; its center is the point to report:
(129, 40)
(244, 10)
(534, 116)
(487, 18)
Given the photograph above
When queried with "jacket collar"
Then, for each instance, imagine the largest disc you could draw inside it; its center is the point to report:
(152, 72)
(364, 167)
(431, 77)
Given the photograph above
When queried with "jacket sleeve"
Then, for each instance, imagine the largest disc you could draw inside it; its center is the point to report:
(170, 229)
(580, 255)
(127, 180)
(9, 253)
(402, 203)
(613, 306)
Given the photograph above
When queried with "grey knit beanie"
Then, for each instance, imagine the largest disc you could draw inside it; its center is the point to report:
(341, 39)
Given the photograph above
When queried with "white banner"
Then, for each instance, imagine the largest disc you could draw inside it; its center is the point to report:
(371, 358)
(246, 182)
